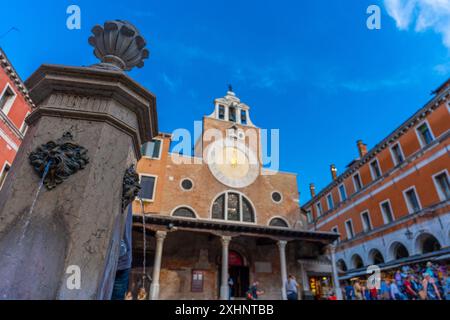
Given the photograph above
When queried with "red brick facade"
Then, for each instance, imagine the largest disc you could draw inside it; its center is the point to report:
(15, 106)
(423, 141)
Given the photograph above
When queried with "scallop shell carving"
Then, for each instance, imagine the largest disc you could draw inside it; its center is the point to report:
(119, 45)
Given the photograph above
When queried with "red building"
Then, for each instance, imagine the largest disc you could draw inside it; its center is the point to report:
(15, 105)
(391, 205)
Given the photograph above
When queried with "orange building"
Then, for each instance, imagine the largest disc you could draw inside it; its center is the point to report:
(391, 205)
(219, 216)
(15, 105)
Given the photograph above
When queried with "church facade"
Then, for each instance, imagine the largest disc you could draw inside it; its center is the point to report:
(217, 221)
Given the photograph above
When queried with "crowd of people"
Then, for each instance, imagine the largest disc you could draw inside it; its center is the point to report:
(417, 282)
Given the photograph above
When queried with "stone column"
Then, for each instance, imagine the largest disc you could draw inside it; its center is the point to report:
(154, 287)
(337, 286)
(63, 241)
(224, 289)
(306, 290)
(238, 115)
(282, 249)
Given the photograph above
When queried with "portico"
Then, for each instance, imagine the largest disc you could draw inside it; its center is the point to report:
(190, 257)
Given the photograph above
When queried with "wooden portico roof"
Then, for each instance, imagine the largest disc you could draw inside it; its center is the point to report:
(244, 228)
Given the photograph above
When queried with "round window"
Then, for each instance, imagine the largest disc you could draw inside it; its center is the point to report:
(186, 184)
(276, 196)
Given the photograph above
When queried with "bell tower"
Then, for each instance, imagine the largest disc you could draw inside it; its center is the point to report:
(231, 109)
(230, 142)
(230, 119)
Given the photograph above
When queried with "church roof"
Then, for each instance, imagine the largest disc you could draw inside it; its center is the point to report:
(255, 229)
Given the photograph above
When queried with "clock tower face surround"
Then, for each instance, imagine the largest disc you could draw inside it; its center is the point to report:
(232, 163)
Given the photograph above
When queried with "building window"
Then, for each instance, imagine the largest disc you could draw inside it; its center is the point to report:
(412, 201)
(375, 169)
(23, 128)
(386, 211)
(309, 216)
(365, 218)
(342, 192)
(278, 222)
(184, 212)
(357, 182)
(198, 279)
(424, 133)
(232, 114)
(4, 174)
(218, 209)
(221, 112)
(148, 184)
(276, 197)
(330, 202)
(442, 185)
(6, 99)
(152, 149)
(243, 117)
(319, 209)
(349, 229)
(186, 184)
(397, 154)
(233, 206)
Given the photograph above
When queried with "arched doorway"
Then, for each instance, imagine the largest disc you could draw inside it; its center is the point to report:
(239, 274)
(398, 251)
(357, 261)
(342, 267)
(375, 256)
(427, 243)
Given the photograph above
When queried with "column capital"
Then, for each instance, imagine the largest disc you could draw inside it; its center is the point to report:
(331, 248)
(160, 235)
(225, 240)
(282, 244)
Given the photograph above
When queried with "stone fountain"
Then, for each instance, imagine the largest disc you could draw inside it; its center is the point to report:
(62, 205)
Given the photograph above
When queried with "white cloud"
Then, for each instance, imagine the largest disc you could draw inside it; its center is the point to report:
(171, 84)
(442, 69)
(422, 15)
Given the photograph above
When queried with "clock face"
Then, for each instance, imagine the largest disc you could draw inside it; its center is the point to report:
(232, 163)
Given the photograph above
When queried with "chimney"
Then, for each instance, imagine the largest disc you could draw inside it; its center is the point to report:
(312, 189)
(333, 171)
(362, 148)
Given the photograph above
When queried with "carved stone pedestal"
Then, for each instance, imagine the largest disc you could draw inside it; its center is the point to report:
(79, 222)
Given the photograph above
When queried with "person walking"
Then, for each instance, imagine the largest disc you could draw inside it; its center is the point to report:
(384, 290)
(358, 290)
(349, 292)
(409, 290)
(332, 296)
(394, 291)
(373, 293)
(120, 286)
(446, 286)
(254, 292)
(230, 287)
(430, 287)
(291, 288)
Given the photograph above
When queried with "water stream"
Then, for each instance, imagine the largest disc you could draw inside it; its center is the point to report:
(33, 204)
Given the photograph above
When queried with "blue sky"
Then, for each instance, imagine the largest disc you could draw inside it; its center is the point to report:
(310, 68)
